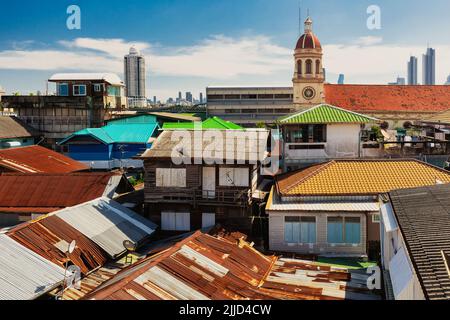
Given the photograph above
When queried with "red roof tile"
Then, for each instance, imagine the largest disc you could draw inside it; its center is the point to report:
(36, 159)
(308, 41)
(373, 98)
(50, 191)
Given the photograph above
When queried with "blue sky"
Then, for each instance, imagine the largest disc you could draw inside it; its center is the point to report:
(190, 44)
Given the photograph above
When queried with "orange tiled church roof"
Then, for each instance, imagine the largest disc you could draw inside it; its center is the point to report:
(372, 98)
(360, 177)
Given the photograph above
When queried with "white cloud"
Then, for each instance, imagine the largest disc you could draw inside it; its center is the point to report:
(368, 41)
(381, 63)
(220, 59)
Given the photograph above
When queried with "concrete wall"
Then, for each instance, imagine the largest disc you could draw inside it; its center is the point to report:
(277, 243)
(342, 142)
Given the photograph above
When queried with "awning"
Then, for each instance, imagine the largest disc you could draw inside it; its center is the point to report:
(325, 206)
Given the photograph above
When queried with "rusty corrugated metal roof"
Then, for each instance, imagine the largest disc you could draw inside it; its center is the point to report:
(50, 235)
(36, 159)
(203, 267)
(50, 191)
(13, 127)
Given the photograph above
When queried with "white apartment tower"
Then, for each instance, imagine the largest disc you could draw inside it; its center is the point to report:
(134, 71)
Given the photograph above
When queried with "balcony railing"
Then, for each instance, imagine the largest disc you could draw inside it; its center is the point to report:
(196, 197)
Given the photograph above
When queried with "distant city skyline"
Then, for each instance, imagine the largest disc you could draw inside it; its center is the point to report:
(229, 42)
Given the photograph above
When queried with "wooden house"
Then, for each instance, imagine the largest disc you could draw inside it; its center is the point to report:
(188, 187)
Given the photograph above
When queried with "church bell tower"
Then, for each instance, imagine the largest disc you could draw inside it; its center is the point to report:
(309, 77)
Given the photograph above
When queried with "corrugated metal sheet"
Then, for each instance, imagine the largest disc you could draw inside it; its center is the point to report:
(275, 203)
(13, 127)
(108, 224)
(236, 145)
(203, 267)
(36, 159)
(50, 237)
(119, 133)
(330, 206)
(53, 190)
(24, 275)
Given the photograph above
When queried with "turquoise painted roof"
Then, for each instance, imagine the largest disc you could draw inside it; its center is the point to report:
(118, 133)
(326, 114)
(142, 119)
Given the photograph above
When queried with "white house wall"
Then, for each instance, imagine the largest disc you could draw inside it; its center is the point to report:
(277, 242)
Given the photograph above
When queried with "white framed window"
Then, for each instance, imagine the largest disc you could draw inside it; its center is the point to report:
(376, 218)
(234, 177)
(175, 221)
(171, 177)
(79, 89)
(208, 220)
(98, 87)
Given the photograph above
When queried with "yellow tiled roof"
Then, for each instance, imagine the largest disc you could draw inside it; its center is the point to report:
(355, 177)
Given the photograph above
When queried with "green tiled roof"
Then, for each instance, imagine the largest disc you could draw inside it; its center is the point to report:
(214, 123)
(118, 133)
(326, 114)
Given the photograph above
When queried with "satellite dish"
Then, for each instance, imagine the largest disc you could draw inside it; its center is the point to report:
(129, 245)
(72, 246)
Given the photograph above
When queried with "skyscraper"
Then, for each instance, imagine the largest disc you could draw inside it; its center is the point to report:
(429, 67)
(189, 97)
(412, 71)
(134, 70)
(201, 97)
(448, 81)
(341, 79)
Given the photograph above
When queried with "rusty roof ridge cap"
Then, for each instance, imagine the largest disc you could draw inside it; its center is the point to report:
(157, 258)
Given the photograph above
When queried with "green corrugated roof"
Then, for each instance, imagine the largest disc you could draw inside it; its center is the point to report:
(326, 114)
(119, 133)
(214, 123)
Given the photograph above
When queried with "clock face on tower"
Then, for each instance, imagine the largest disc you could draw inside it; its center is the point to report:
(309, 93)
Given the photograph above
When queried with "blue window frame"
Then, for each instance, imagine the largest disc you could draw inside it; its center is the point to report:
(62, 89)
(300, 230)
(344, 230)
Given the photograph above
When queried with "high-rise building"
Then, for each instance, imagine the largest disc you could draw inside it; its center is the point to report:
(429, 67)
(134, 70)
(341, 79)
(412, 71)
(189, 97)
(201, 97)
(154, 99)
